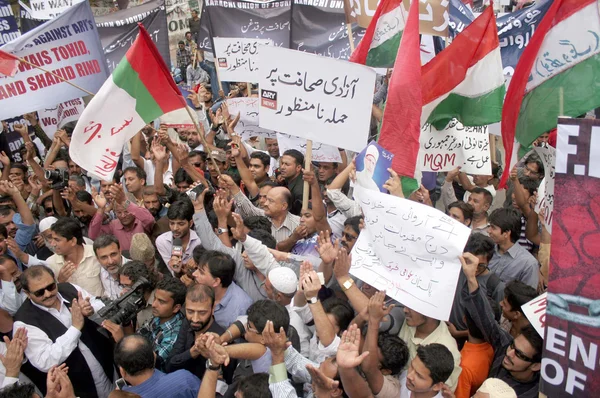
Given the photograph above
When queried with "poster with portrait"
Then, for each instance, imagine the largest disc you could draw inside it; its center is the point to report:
(372, 166)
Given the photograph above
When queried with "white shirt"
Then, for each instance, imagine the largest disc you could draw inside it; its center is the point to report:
(43, 353)
(304, 332)
(405, 392)
(150, 168)
(112, 287)
(10, 299)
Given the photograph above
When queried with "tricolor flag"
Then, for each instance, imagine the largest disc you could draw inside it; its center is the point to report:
(9, 64)
(465, 81)
(139, 90)
(558, 69)
(379, 46)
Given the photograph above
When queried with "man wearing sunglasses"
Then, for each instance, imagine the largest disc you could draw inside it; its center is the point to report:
(59, 331)
(517, 361)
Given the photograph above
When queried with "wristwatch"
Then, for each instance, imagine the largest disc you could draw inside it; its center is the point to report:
(313, 300)
(221, 231)
(210, 366)
(348, 284)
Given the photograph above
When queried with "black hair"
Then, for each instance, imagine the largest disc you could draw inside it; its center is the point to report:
(105, 240)
(182, 209)
(212, 219)
(139, 172)
(4, 258)
(197, 253)
(263, 157)
(354, 222)
(258, 222)
(5, 210)
(237, 179)
(182, 176)
(536, 341)
(202, 155)
(220, 265)
(264, 237)
(84, 196)
(487, 196)
(472, 325)
(438, 359)
(297, 155)
(198, 293)
(535, 158)
(78, 180)
(21, 167)
(518, 293)
(175, 287)
(18, 390)
(135, 270)
(530, 184)
(465, 208)
(134, 354)
(268, 183)
(394, 351)
(3, 231)
(341, 311)
(33, 272)
(507, 220)
(68, 228)
(262, 311)
(480, 245)
(181, 42)
(255, 385)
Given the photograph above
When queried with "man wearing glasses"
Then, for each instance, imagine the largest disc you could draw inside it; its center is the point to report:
(59, 330)
(517, 361)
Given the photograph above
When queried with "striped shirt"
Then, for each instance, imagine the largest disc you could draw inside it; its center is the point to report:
(163, 336)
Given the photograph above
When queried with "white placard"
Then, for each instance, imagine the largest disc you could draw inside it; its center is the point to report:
(237, 59)
(456, 145)
(317, 98)
(546, 190)
(409, 249)
(535, 311)
(320, 152)
(48, 9)
(248, 126)
(51, 119)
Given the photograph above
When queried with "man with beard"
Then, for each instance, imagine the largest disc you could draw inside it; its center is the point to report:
(290, 167)
(273, 150)
(153, 204)
(481, 200)
(108, 253)
(199, 320)
(11, 296)
(180, 217)
(220, 158)
(131, 218)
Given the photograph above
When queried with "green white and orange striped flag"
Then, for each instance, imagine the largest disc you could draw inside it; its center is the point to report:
(557, 75)
(139, 90)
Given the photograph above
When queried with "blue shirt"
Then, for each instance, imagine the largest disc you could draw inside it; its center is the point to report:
(162, 385)
(23, 237)
(234, 303)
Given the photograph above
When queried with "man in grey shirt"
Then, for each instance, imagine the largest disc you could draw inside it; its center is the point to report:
(511, 261)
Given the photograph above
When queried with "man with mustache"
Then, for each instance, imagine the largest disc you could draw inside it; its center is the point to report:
(108, 252)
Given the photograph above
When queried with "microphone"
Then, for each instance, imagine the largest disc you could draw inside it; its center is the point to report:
(177, 249)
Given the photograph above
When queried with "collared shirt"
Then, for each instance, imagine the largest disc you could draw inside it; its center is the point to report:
(343, 203)
(196, 76)
(23, 237)
(179, 384)
(516, 263)
(234, 303)
(304, 333)
(164, 244)
(184, 58)
(336, 221)
(112, 287)
(163, 335)
(87, 272)
(481, 230)
(43, 353)
(143, 223)
(246, 209)
(440, 335)
(10, 299)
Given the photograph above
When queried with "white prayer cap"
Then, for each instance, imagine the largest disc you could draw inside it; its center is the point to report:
(497, 389)
(284, 280)
(46, 223)
(372, 151)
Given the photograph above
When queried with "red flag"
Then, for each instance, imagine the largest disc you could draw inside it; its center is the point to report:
(9, 64)
(401, 126)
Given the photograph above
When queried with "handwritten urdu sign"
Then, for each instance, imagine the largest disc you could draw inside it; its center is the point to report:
(237, 59)
(316, 98)
(320, 152)
(409, 249)
(456, 145)
(546, 189)
(248, 126)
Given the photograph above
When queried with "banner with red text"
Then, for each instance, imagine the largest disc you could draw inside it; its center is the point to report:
(67, 46)
(570, 358)
(53, 118)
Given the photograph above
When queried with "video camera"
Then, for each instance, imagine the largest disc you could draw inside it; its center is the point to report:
(122, 310)
(59, 178)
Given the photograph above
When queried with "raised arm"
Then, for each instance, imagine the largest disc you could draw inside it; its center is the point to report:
(348, 360)
(136, 145)
(377, 311)
(245, 173)
(318, 208)
(311, 286)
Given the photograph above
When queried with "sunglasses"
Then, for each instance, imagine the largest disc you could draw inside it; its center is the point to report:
(197, 164)
(49, 210)
(520, 354)
(39, 293)
(349, 237)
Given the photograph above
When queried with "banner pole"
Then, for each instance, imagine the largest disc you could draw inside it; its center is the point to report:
(307, 162)
(492, 138)
(350, 37)
(53, 74)
(248, 91)
(204, 143)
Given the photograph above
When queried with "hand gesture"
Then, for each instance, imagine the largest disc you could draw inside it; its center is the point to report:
(115, 330)
(222, 207)
(21, 129)
(36, 185)
(276, 342)
(447, 392)
(305, 269)
(58, 384)
(17, 182)
(13, 358)
(394, 184)
(238, 232)
(452, 329)
(311, 285)
(76, 315)
(99, 198)
(159, 151)
(319, 378)
(116, 191)
(216, 352)
(199, 347)
(469, 265)
(377, 308)
(187, 281)
(225, 111)
(68, 194)
(66, 272)
(309, 176)
(452, 174)
(231, 125)
(4, 159)
(8, 188)
(14, 247)
(39, 242)
(199, 201)
(514, 174)
(341, 267)
(347, 355)
(86, 308)
(175, 264)
(31, 118)
(300, 232)
(327, 250)
(227, 182)
(30, 150)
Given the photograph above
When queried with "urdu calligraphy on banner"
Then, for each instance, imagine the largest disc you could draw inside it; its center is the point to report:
(247, 126)
(546, 190)
(237, 59)
(320, 152)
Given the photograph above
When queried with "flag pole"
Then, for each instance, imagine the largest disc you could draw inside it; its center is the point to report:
(350, 37)
(53, 74)
(307, 161)
(204, 143)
